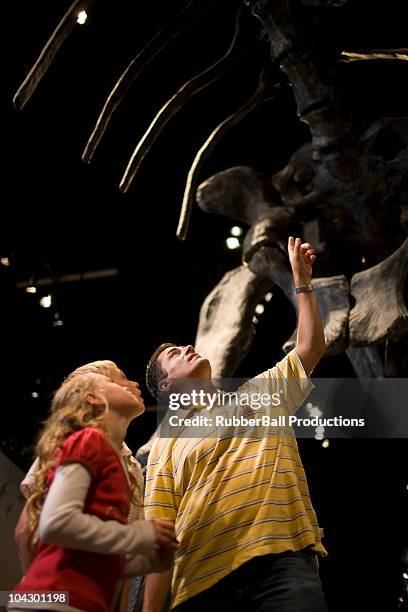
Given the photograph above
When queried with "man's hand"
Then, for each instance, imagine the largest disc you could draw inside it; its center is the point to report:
(301, 257)
(310, 342)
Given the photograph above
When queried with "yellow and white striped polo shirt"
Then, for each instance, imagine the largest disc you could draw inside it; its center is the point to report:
(233, 498)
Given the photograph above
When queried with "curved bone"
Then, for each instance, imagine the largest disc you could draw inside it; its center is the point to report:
(238, 192)
(172, 106)
(332, 294)
(225, 330)
(155, 46)
(208, 147)
(269, 262)
(61, 32)
(374, 54)
(381, 311)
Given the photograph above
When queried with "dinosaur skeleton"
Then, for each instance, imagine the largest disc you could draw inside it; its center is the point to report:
(343, 186)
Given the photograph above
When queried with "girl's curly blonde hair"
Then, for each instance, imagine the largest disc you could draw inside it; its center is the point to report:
(70, 412)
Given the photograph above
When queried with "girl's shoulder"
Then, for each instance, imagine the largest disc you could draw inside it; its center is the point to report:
(87, 446)
(85, 437)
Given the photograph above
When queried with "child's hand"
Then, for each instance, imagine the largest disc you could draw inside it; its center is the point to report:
(161, 557)
(166, 543)
(165, 535)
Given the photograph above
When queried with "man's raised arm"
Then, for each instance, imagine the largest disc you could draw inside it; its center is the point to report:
(310, 342)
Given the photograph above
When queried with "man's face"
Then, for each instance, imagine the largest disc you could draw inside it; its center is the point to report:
(180, 362)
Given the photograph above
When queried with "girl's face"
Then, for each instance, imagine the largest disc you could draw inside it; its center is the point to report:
(122, 395)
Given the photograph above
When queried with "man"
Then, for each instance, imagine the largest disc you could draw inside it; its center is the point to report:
(248, 534)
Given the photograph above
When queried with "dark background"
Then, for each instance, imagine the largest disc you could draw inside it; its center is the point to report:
(60, 216)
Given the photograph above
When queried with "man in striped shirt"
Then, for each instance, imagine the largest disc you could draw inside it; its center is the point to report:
(249, 537)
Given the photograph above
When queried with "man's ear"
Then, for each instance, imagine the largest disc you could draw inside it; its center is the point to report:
(164, 385)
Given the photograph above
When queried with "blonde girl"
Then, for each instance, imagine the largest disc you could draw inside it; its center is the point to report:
(77, 514)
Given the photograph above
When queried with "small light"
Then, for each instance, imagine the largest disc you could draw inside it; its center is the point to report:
(232, 243)
(268, 296)
(46, 301)
(34, 394)
(309, 405)
(363, 260)
(236, 231)
(5, 261)
(259, 309)
(319, 429)
(255, 320)
(405, 576)
(31, 289)
(57, 321)
(325, 443)
(319, 436)
(82, 17)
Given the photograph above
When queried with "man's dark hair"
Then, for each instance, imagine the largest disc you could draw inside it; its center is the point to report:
(154, 371)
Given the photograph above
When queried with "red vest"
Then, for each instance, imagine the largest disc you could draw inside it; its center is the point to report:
(90, 578)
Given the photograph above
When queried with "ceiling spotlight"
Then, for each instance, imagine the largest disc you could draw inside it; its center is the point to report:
(319, 429)
(236, 231)
(232, 243)
(46, 301)
(259, 309)
(34, 395)
(405, 576)
(31, 289)
(268, 296)
(319, 436)
(255, 320)
(325, 443)
(82, 17)
(5, 261)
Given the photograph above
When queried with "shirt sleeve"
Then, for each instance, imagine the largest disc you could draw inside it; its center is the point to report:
(287, 380)
(26, 485)
(85, 446)
(63, 523)
(160, 499)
